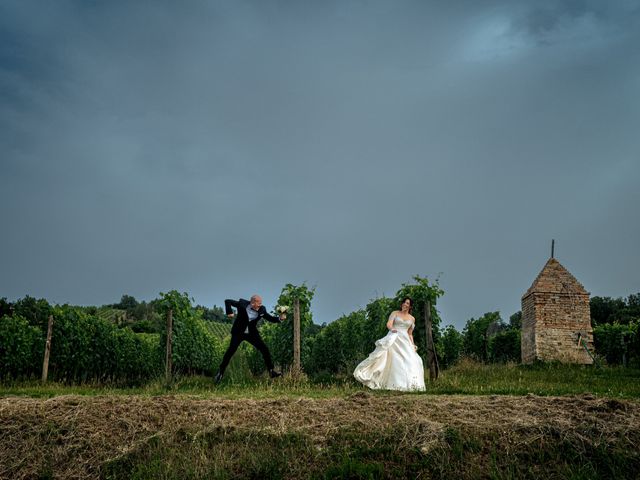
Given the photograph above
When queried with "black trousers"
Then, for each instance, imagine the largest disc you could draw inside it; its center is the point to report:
(255, 340)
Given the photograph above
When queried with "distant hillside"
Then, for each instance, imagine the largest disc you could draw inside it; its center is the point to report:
(220, 330)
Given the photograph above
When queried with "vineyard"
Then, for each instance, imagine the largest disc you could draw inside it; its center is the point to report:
(220, 330)
(125, 343)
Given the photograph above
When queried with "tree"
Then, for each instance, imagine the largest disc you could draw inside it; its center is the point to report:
(127, 302)
(475, 339)
(215, 314)
(515, 320)
(6, 308)
(451, 346)
(618, 343)
(505, 346)
(603, 309)
(35, 311)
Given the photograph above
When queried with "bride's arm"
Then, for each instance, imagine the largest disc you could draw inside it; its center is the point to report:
(410, 332)
(390, 322)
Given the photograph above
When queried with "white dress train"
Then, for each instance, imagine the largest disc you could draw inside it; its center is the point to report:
(394, 364)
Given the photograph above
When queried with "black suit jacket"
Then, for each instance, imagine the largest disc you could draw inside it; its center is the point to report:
(242, 318)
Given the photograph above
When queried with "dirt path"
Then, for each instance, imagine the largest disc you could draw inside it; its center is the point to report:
(75, 435)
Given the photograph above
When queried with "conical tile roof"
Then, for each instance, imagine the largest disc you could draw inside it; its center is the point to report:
(554, 278)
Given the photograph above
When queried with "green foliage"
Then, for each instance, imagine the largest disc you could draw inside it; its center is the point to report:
(515, 320)
(220, 330)
(36, 312)
(196, 349)
(21, 348)
(141, 317)
(504, 346)
(341, 345)
(6, 308)
(345, 342)
(86, 344)
(127, 302)
(378, 312)
(112, 315)
(85, 347)
(488, 339)
(475, 337)
(279, 337)
(127, 344)
(607, 310)
(450, 346)
(618, 343)
(215, 314)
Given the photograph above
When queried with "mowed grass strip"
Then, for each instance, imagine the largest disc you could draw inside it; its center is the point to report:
(357, 436)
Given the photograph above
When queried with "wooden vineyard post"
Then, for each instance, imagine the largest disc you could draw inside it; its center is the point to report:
(47, 350)
(296, 336)
(432, 358)
(168, 365)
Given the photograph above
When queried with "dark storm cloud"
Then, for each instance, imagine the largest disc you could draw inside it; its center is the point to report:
(224, 148)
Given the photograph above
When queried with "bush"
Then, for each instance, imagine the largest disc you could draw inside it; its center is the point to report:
(36, 312)
(85, 347)
(505, 346)
(21, 348)
(451, 346)
(615, 342)
(476, 335)
(196, 349)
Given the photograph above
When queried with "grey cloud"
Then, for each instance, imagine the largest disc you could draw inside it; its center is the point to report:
(145, 146)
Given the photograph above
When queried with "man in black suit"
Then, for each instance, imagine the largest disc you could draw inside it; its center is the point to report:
(245, 327)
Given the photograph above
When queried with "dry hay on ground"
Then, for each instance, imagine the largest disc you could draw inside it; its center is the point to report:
(79, 434)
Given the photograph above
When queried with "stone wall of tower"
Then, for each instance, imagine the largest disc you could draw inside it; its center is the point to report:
(528, 334)
(554, 323)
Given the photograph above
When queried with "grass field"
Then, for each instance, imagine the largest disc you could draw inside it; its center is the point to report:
(476, 421)
(466, 378)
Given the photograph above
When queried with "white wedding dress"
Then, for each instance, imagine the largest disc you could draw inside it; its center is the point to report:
(394, 364)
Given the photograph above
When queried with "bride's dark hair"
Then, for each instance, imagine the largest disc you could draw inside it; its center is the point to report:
(410, 303)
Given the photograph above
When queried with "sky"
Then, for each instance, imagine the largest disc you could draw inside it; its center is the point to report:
(225, 148)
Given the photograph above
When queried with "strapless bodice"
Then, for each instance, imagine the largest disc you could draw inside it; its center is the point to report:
(401, 324)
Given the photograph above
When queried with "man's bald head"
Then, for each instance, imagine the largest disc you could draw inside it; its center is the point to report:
(256, 301)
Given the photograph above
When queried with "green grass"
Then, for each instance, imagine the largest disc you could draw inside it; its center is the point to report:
(193, 385)
(472, 378)
(466, 378)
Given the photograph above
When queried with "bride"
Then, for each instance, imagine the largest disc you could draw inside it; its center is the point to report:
(394, 364)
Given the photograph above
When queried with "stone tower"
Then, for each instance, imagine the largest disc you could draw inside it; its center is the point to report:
(556, 318)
